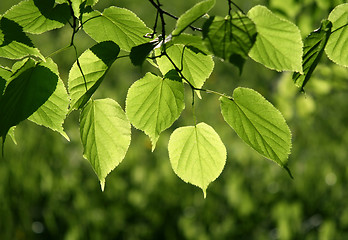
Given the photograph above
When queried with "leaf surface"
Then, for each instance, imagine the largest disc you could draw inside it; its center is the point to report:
(278, 43)
(258, 123)
(94, 62)
(314, 45)
(53, 112)
(336, 48)
(105, 134)
(25, 93)
(116, 24)
(39, 16)
(197, 154)
(230, 38)
(154, 103)
(191, 15)
(139, 53)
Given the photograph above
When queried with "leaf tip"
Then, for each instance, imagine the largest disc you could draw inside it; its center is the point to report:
(102, 184)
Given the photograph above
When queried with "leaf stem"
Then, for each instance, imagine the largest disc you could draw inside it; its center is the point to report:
(345, 25)
(58, 51)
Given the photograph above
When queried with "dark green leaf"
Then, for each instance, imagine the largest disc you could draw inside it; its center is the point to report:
(38, 16)
(95, 63)
(230, 38)
(314, 45)
(139, 53)
(26, 92)
(5, 75)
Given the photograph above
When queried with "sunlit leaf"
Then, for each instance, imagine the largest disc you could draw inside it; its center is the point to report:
(336, 48)
(314, 45)
(26, 92)
(197, 154)
(105, 135)
(14, 44)
(191, 15)
(189, 40)
(154, 103)
(39, 16)
(258, 123)
(116, 24)
(196, 66)
(53, 112)
(278, 43)
(5, 75)
(230, 38)
(94, 62)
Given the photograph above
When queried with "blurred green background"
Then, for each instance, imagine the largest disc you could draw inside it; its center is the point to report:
(48, 191)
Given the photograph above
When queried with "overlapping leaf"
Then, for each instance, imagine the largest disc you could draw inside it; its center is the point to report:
(336, 48)
(116, 24)
(95, 63)
(197, 154)
(154, 103)
(314, 45)
(39, 16)
(258, 123)
(14, 44)
(26, 92)
(79, 5)
(196, 66)
(53, 112)
(105, 134)
(191, 15)
(230, 38)
(5, 75)
(189, 40)
(278, 43)
(139, 53)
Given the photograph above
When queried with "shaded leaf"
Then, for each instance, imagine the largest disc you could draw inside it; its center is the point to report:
(191, 15)
(38, 16)
(5, 75)
(314, 45)
(336, 48)
(116, 24)
(258, 123)
(105, 135)
(53, 112)
(28, 90)
(230, 38)
(154, 103)
(94, 62)
(197, 154)
(139, 53)
(278, 43)
(14, 44)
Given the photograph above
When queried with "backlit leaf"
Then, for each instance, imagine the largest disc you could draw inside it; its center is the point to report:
(258, 123)
(230, 38)
(314, 45)
(105, 135)
(336, 48)
(191, 15)
(154, 103)
(53, 112)
(26, 92)
(94, 62)
(278, 43)
(116, 24)
(39, 16)
(197, 154)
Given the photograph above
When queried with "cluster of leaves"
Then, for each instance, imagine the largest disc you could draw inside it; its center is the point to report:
(32, 88)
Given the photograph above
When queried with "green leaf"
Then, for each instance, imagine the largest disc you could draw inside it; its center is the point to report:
(105, 135)
(196, 66)
(53, 112)
(197, 154)
(230, 38)
(11, 133)
(95, 63)
(38, 16)
(5, 75)
(26, 92)
(189, 40)
(278, 43)
(154, 103)
(258, 123)
(191, 15)
(139, 53)
(116, 24)
(314, 45)
(14, 44)
(336, 48)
